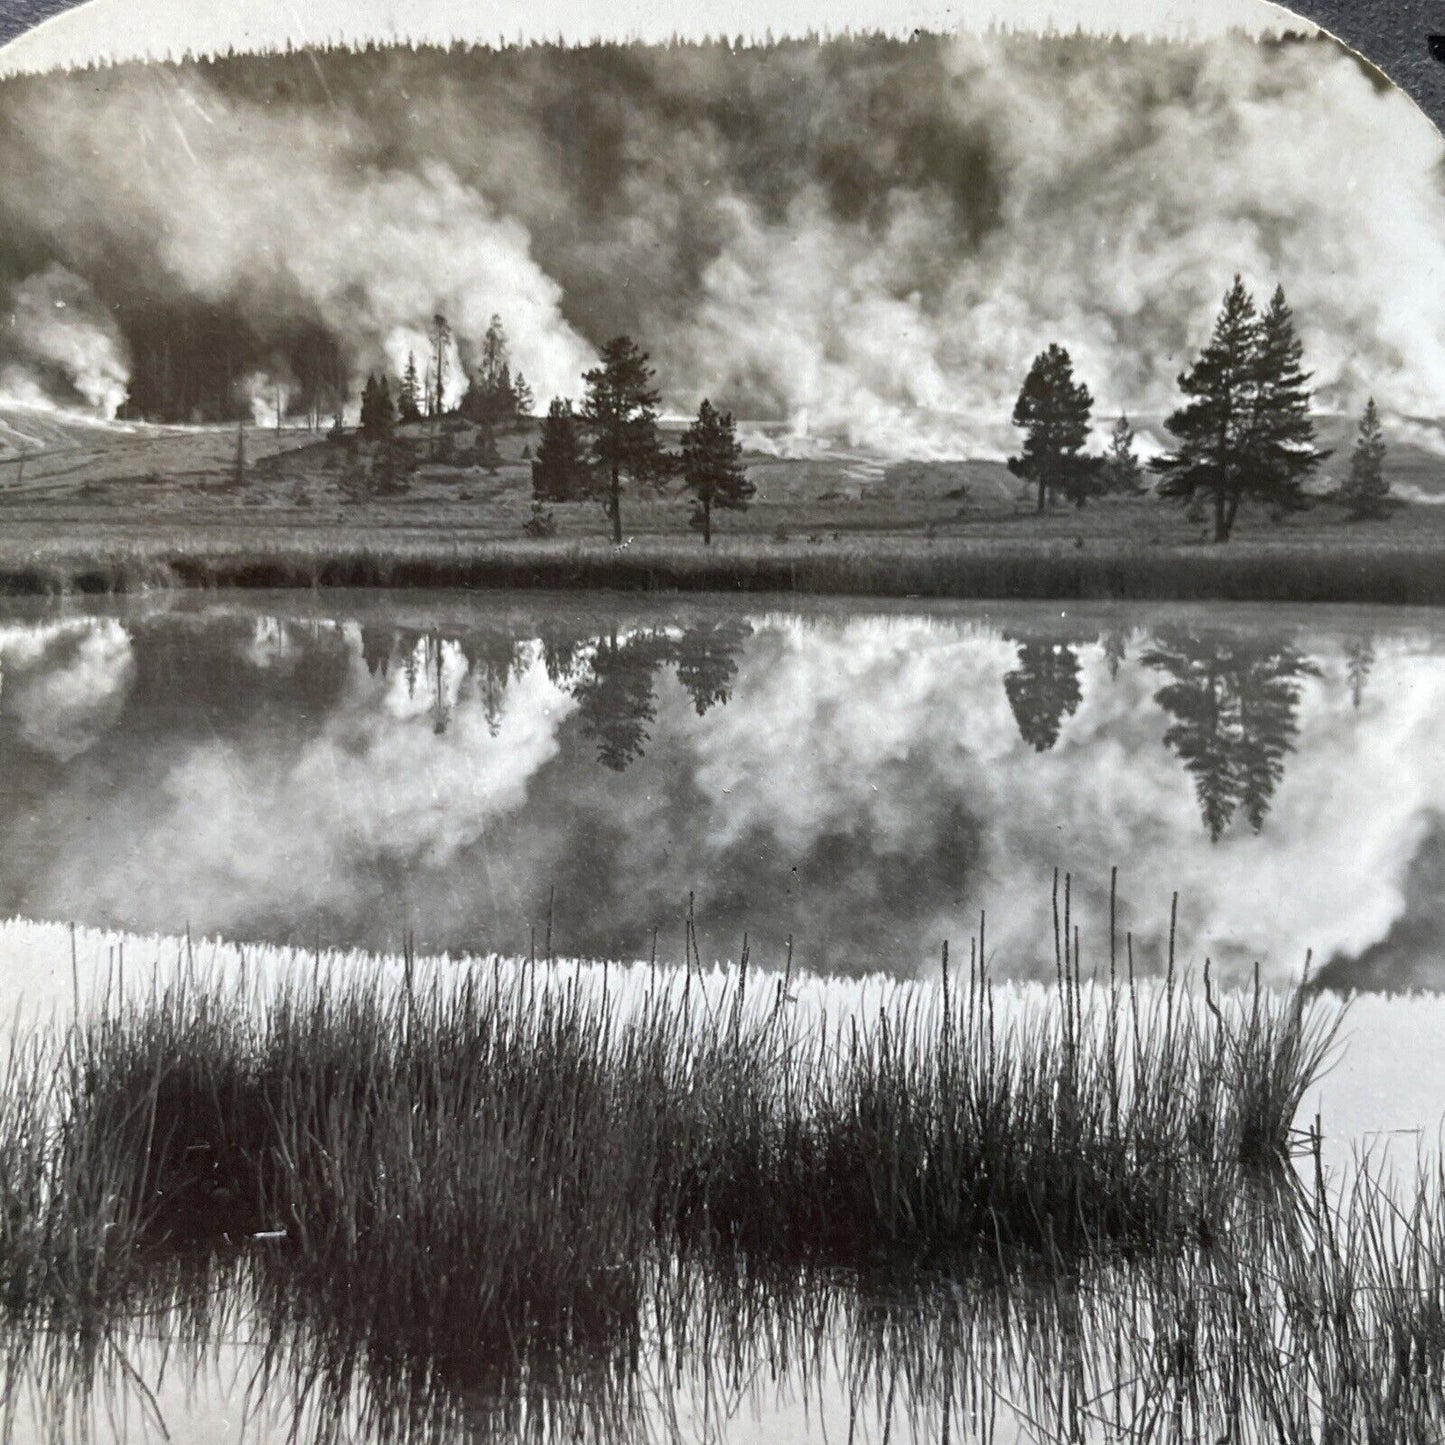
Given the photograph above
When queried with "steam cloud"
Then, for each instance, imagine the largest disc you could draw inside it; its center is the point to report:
(869, 244)
(56, 331)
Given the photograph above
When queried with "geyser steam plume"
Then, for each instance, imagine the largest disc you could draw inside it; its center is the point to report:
(875, 234)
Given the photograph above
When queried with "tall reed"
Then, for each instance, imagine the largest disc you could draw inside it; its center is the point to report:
(507, 1149)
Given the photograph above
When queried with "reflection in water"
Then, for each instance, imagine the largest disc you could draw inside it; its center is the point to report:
(1359, 659)
(615, 697)
(864, 784)
(1226, 1342)
(1043, 690)
(1234, 706)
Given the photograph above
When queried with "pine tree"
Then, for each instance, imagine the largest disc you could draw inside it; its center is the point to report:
(559, 470)
(494, 397)
(1120, 474)
(1246, 428)
(620, 411)
(378, 414)
(1213, 428)
(408, 399)
(712, 469)
(1053, 411)
(440, 337)
(1283, 432)
(495, 355)
(522, 399)
(1366, 491)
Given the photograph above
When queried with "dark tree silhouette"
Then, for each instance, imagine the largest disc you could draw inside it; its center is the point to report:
(712, 468)
(560, 649)
(1283, 429)
(494, 397)
(1366, 492)
(440, 710)
(440, 338)
(615, 697)
(1053, 412)
(1115, 643)
(523, 401)
(1120, 473)
(1234, 706)
(408, 398)
(378, 414)
(377, 646)
(1212, 429)
(1043, 690)
(1359, 662)
(494, 657)
(1268, 694)
(620, 411)
(1246, 429)
(560, 470)
(706, 658)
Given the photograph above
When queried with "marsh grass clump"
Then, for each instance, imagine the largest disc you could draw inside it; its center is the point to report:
(512, 1152)
(962, 1120)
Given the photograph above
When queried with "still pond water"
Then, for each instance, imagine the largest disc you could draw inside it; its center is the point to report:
(863, 778)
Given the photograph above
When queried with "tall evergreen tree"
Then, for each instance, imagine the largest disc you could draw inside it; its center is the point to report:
(560, 471)
(378, 414)
(712, 468)
(1120, 473)
(1366, 492)
(408, 399)
(1283, 431)
(1213, 429)
(620, 411)
(1246, 429)
(522, 399)
(496, 355)
(1053, 412)
(440, 338)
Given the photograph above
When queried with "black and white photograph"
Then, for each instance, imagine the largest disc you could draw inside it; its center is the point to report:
(720, 727)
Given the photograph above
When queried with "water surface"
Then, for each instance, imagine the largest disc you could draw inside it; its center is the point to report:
(474, 770)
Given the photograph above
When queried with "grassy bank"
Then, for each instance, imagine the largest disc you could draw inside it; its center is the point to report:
(1269, 568)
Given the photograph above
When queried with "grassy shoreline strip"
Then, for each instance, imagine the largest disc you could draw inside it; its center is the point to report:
(1254, 571)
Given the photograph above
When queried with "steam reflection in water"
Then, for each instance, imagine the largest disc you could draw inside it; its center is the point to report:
(863, 778)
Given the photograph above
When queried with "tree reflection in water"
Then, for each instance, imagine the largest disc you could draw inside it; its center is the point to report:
(1043, 690)
(1234, 703)
(615, 695)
